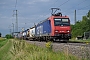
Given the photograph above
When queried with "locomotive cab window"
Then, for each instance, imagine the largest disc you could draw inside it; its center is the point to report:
(65, 22)
(61, 22)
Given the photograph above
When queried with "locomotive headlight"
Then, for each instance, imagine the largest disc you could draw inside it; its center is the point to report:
(68, 31)
(56, 31)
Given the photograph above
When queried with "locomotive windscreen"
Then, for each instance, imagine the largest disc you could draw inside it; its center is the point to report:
(61, 22)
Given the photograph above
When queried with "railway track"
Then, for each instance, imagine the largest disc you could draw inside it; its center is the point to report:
(73, 43)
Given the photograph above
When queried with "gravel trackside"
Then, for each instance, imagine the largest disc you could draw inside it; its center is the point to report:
(81, 50)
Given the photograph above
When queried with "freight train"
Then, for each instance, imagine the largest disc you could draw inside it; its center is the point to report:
(56, 27)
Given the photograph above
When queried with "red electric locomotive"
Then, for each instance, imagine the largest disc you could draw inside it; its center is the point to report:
(60, 27)
(56, 27)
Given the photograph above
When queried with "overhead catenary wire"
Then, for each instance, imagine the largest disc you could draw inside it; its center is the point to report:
(16, 4)
(79, 9)
(50, 9)
(54, 2)
(69, 8)
(84, 7)
(58, 6)
(81, 2)
(74, 6)
(64, 3)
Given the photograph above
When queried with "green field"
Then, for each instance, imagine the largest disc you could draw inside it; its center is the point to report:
(2, 42)
(21, 50)
(5, 46)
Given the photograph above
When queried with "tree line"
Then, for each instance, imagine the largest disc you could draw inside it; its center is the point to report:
(81, 26)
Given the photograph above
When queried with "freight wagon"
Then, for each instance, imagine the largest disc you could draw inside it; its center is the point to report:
(30, 34)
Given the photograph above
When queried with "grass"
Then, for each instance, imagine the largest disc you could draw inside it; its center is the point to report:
(21, 50)
(3, 42)
(4, 49)
(1, 38)
(25, 51)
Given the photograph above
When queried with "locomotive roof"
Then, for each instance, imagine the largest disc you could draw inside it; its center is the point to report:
(42, 21)
(32, 27)
(53, 16)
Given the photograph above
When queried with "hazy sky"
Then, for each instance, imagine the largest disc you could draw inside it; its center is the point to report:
(34, 11)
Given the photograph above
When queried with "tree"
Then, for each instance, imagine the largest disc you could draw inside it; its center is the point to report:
(8, 36)
(88, 15)
(81, 26)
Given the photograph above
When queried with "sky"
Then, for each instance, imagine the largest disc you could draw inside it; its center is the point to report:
(34, 11)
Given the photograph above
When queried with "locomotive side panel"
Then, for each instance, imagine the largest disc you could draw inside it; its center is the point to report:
(43, 29)
(47, 28)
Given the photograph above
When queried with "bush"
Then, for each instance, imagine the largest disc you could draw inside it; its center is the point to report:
(8, 36)
(49, 45)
